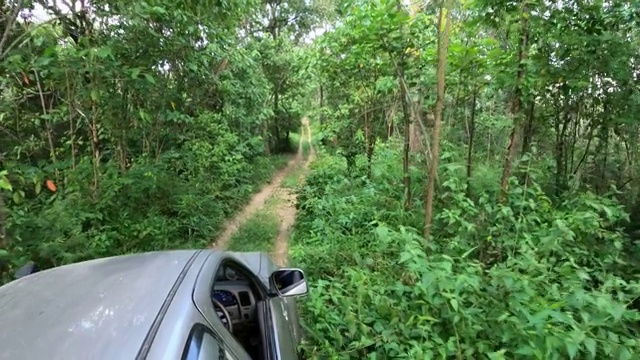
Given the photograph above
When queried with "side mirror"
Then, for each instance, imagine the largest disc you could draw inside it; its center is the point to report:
(289, 282)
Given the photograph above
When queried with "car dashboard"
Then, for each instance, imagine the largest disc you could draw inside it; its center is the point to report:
(233, 291)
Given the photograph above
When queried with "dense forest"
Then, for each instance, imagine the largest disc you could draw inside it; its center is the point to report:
(476, 190)
(134, 126)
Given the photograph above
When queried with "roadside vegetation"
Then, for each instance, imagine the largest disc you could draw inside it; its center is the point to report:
(130, 126)
(476, 196)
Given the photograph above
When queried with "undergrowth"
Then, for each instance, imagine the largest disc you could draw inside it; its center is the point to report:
(531, 280)
(179, 200)
(259, 231)
(292, 179)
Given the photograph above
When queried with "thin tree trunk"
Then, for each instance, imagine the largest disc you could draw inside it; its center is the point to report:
(276, 113)
(47, 121)
(72, 130)
(574, 137)
(267, 148)
(4, 242)
(369, 140)
(559, 155)
(528, 130)
(406, 121)
(321, 105)
(443, 44)
(472, 128)
(603, 181)
(587, 149)
(514, 138)
(9, 21)
(95, 148)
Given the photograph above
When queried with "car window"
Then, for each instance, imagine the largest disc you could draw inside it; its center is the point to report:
(204, 344)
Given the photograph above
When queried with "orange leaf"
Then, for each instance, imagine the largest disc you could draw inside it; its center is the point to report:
(25, 77)
(51, 186)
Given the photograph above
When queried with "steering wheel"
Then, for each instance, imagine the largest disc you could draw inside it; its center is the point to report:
(225, 318)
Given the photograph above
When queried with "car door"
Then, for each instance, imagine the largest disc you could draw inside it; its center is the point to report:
(202, 300)
(205, 344)
(283, 322)
(277, 315)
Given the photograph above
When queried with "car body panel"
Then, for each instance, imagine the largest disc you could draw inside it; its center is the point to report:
(201, 295)
(139, 306)
(285, 309)
(259, 263)
(97, 309)
(173, 333)
(288, 325)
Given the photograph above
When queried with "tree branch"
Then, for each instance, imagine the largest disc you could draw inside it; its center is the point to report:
(9, 22)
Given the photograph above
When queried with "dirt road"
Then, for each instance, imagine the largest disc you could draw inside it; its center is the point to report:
(286, 211)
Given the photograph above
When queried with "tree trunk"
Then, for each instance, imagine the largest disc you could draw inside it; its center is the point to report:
(514, 138)
(559, 156)
(9, 19)
(276, 120)
(604, 151)
(369, 140)
(472, 128)
(4, 242)
(528, 129)
(321, 105)
(95, 149)
(406, 122)
(443, 44)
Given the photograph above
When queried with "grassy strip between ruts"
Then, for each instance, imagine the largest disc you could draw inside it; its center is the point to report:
(259, 231)
(294, 139)
(306, 148)
(292, 179)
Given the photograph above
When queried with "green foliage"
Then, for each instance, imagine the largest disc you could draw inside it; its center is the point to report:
(142, 125)
(258, 232)
(150, 127)
(150, 208)
(291, 181)
(547, 272)
(531, 280)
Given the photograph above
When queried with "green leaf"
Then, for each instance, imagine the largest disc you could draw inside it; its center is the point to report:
(525, 350)
(382, 232)
(5, 184)
(150, 78)
(590, 344)
(104, 52)
(135, 73)
(572, 349)
(624, 354)
(498, 355)
(617, 311)
(454, 304)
